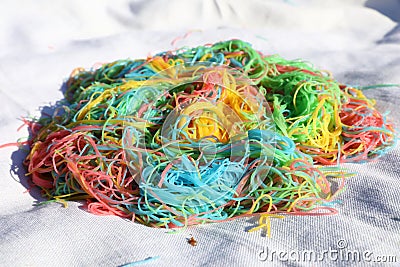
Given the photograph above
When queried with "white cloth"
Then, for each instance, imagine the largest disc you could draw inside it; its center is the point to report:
(42, 41)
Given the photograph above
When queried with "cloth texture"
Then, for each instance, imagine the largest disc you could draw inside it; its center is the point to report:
(42, 41)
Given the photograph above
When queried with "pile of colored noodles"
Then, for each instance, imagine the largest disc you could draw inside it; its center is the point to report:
(204, 134)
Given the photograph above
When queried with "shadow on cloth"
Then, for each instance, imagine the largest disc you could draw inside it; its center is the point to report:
(389, 8)
(18, 169)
